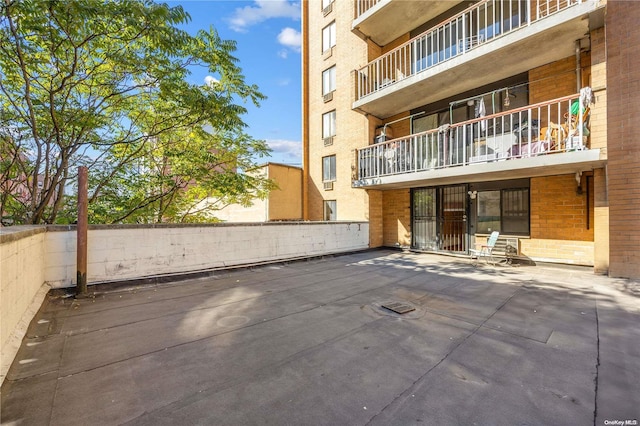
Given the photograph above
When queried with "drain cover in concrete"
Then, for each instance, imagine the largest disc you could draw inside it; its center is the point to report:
(397, 307)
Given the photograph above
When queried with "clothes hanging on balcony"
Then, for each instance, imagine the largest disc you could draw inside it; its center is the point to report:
(586, 97)
(481, 112)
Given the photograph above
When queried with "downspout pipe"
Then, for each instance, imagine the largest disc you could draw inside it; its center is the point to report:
(578, 68)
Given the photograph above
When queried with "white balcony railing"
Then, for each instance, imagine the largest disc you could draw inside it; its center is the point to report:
(545, 128)
(478, 24)
(362, 6)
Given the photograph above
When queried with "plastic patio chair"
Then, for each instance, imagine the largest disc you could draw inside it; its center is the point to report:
(486, 250)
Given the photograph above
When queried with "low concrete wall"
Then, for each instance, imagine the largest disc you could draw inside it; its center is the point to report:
(131, 252)
(22, 286)
(32, 259)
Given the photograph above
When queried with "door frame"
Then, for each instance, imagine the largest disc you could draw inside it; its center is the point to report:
(440, 218)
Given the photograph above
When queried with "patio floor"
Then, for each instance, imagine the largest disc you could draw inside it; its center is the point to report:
(308, 343)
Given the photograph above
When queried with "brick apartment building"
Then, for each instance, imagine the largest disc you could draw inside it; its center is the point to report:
(442, 121)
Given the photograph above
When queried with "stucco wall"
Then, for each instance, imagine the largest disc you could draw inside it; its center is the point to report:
(285, 203)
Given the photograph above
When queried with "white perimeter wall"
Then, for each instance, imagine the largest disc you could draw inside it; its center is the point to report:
(34, 258)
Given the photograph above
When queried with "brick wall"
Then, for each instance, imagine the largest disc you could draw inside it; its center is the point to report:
(623, 132)
(557, 212)
(375, 218)
(573, 252)
(552, 80)
(562, 222)
(352, 128)
(397, 217)
(598, 139)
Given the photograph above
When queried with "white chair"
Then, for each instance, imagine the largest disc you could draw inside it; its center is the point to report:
(486, 250)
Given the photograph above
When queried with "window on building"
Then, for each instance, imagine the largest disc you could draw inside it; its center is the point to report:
(328, 80)
(329, 124)
(329, 168)
(330, 210)
(326, 3)
(328, 37)
(505, 210)
(515, 211)
(467, 105)
(488, 219)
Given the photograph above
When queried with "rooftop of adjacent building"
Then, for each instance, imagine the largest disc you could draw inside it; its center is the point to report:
(308, 342)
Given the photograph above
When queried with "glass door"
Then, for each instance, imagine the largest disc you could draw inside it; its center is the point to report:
(440, 219)
(453, 219)
(424, 235)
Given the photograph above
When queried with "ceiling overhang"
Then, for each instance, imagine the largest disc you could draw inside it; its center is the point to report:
(540, 43)
(375, 22)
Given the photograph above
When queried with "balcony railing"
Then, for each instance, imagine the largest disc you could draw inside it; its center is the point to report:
(363, 5)
(555, 126)
(478, 24)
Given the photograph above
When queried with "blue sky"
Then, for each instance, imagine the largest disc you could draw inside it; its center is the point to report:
(267, 33)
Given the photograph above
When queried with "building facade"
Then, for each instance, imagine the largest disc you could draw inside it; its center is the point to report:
(440, 122)
(284, 203)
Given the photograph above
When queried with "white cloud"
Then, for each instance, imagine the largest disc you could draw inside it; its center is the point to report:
(283, 53)
(290, 38)
(290, 150)
(283, 82)
(262, 10)
(209, 80)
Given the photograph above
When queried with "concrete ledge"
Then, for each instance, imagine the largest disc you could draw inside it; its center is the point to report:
(14, 233)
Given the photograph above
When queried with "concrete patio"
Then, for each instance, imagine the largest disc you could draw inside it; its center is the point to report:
(307, 343)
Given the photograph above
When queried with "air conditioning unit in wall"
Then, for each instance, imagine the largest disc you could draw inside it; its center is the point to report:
(328, 186)
(327, 10)
(328, 97)
(328, 141)
(512, 246)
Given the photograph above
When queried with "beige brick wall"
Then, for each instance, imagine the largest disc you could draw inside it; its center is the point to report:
(557, 212)
(352, 128)
(576, 252)
(598, 139)
(623, 133)
(397, 217)
(552, 80)
(375, 217)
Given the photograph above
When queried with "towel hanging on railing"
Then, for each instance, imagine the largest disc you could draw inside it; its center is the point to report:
(481, 112)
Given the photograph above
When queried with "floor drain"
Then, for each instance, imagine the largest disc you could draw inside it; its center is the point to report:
(398, 308)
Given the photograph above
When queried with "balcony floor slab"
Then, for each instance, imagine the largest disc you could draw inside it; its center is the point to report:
(541, 165)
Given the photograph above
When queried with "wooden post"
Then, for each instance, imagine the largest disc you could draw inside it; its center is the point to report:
(83, 189)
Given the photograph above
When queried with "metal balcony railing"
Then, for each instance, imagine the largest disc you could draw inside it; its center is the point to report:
(362, 6)
(555, 126)
(478, 24)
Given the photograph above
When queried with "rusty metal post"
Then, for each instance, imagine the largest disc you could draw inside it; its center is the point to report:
(83, 198)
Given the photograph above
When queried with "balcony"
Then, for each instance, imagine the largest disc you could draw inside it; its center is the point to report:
(383, 21)
(461, 53)
(538, 140)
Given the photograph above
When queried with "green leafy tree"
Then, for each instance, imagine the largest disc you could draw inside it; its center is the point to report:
(105, 84)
